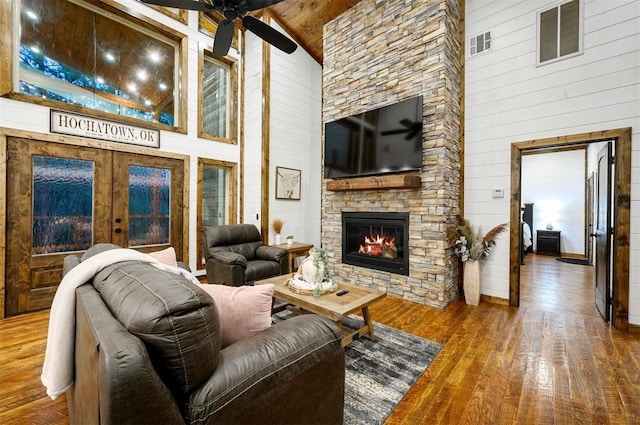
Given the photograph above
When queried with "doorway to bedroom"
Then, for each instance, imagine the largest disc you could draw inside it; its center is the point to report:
(612, 262)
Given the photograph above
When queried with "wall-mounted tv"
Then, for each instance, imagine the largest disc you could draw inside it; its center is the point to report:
(380, 141)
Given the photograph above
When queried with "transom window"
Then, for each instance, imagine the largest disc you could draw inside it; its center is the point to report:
(77, 54)
(559, 32)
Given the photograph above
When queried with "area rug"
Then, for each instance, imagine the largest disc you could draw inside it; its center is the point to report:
(580, 261)
(380, 373)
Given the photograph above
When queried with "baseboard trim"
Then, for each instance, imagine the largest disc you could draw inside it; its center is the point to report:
(494, 300)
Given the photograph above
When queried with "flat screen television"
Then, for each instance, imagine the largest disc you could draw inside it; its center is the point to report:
(380, 141)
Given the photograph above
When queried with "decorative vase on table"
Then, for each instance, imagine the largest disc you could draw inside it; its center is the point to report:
(312, 268)
(278, 239)
(471, 286)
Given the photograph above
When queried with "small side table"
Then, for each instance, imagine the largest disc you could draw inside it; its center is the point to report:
(295, 250)
(548, 242)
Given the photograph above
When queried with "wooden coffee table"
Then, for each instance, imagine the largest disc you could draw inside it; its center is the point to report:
(330, 305)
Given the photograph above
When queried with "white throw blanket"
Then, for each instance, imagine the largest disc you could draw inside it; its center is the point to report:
(58, 368)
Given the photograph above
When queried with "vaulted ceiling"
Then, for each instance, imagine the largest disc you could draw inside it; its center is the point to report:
(304, 20)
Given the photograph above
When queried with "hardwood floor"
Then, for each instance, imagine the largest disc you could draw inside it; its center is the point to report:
(551, 361)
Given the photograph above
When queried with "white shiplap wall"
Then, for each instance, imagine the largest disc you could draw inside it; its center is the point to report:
(296, 119)
(252, 131)
(295, 115)
(295, 137)
(509, 99)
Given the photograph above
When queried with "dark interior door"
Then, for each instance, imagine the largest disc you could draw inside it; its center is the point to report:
(602, 232)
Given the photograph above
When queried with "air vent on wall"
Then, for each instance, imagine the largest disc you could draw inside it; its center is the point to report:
(480, 43)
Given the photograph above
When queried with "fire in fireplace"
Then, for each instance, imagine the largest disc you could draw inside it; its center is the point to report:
(379, 246)
(376, 240)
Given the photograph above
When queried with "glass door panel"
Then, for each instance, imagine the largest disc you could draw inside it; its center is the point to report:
(62, 205)
(148, 202)
(149, 205)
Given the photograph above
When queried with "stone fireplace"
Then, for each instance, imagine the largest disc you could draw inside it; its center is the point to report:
(376, 240)
(378, 53)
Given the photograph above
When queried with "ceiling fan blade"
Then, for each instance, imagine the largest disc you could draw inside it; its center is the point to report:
(411, 135)
(222, 40)
(260, 4)
(390, 132)
(406, 122)
(182, 4)
(269, 34)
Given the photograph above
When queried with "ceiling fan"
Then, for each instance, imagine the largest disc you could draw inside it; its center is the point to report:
(231, 10)
(412, 128)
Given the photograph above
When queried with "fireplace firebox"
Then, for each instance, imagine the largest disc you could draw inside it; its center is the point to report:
(376, 240)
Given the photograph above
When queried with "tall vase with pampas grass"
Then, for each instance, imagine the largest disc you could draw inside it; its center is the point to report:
(277, 227)
(472, 247)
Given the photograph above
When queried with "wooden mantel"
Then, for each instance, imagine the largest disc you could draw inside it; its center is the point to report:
(392, 181)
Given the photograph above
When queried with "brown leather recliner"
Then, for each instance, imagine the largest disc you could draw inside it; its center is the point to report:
(236, 255)
(147, 351)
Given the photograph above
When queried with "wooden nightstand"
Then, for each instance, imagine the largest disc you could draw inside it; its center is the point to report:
(548, 242)
(295, 250)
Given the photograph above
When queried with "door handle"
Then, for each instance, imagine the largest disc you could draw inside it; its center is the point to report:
(593, 235)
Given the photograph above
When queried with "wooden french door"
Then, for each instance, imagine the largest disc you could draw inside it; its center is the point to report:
(63, 199)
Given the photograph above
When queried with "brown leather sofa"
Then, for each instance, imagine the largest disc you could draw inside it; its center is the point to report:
(237, 256)
(147, 351)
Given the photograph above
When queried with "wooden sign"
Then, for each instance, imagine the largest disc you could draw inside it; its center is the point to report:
(98, 128)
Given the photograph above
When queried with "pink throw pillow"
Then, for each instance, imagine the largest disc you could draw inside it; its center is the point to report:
(166, 256)
(243, 310)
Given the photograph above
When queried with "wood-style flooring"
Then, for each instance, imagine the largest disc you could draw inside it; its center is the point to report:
(550, 361)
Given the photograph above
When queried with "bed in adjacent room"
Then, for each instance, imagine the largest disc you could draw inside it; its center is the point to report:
(526, 235)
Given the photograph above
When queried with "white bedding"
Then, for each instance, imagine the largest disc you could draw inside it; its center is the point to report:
(526, 236)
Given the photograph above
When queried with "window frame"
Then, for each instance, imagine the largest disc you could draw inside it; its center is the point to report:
(231, 195)
(232, 103)
(9, 62)
(557, 6)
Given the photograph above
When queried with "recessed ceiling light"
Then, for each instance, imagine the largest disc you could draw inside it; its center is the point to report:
(154, 56)
(142, 75)
(132, 87)
(32, 15)
(35, 49)
(100, 80)
(109, 57)
(162, 86)
(147, 102)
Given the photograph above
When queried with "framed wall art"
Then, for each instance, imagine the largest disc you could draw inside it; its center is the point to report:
(288, 183)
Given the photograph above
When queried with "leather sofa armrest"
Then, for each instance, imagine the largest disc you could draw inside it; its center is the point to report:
(229, 258)
(271, 253)
(69, 262)
(292, 372)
